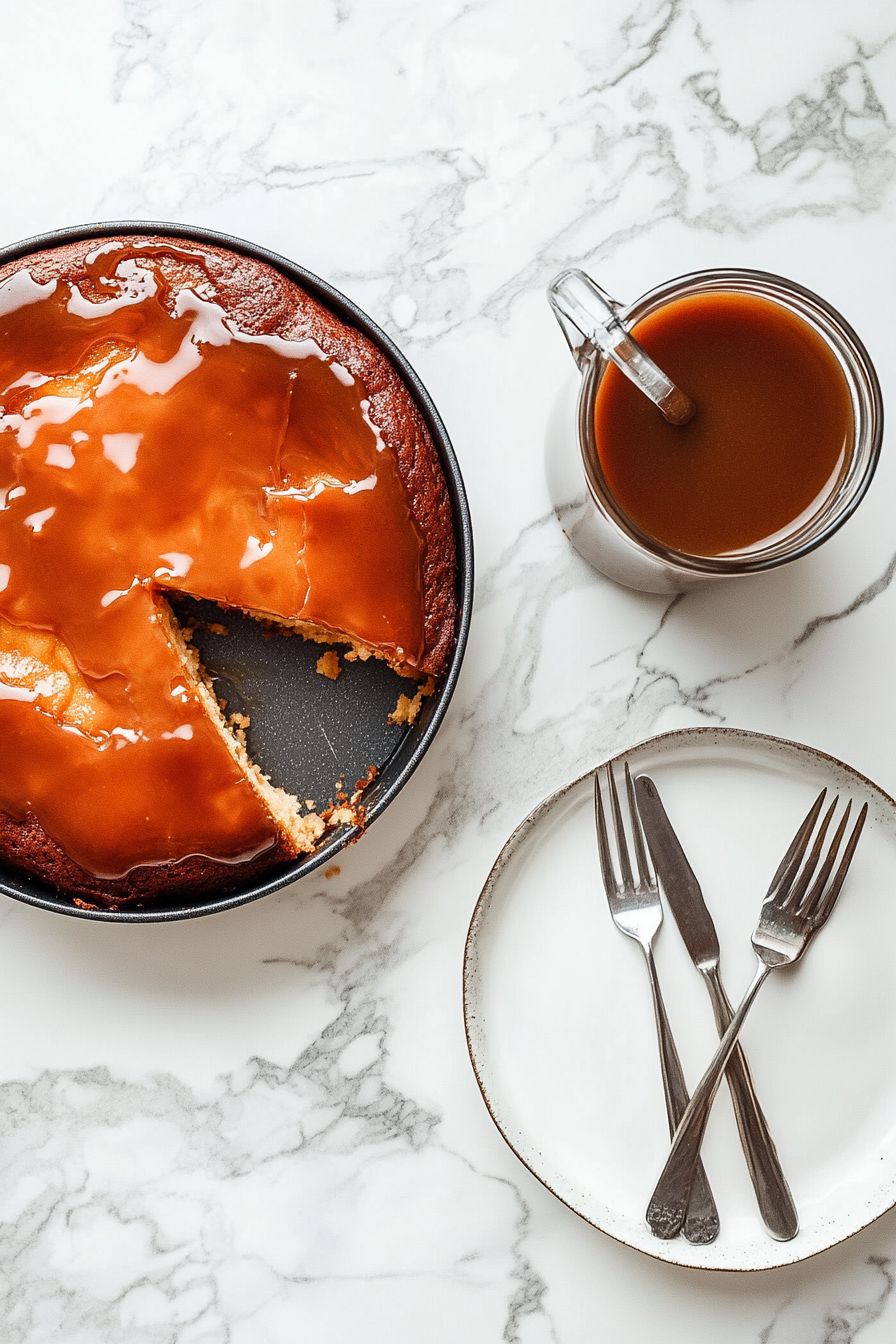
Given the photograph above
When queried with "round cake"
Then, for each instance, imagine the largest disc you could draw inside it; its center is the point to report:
(182, 418)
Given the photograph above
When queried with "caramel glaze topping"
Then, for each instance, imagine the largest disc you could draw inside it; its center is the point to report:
(147, 445)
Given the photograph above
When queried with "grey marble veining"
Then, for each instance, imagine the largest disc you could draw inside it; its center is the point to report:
(216, 1212)
(440, 163)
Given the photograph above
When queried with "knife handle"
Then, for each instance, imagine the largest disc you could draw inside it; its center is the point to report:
(772, 1191)
(701, 1223)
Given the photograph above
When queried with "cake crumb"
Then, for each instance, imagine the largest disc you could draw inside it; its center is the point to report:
(361, 784)
(84, 905)
(310, 804)
(348, 810)
(408, 708)
(193, 623)
(334, 871)
(238, 723)
(328, 665)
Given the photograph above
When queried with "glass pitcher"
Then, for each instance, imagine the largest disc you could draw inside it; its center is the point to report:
(596, 328)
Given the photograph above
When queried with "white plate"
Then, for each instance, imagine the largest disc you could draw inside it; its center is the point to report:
(560, 1024)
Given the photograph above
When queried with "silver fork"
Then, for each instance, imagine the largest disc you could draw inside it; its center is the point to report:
(794, 910)
(637, 912)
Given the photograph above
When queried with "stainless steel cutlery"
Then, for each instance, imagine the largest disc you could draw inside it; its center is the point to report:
(682, 891)
(799, 901)
(637, 912)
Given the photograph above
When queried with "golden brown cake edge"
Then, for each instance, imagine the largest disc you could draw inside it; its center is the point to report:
(261, 301)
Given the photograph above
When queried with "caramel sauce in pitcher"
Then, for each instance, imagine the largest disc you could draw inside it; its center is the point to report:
(147, 445)
(774, 420)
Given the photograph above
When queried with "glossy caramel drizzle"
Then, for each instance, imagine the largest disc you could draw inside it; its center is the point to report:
(145, 445)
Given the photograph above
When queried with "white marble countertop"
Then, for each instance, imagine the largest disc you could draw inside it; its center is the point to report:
(263, 1126)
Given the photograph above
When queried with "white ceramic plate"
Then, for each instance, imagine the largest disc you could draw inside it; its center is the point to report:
(560, 1024)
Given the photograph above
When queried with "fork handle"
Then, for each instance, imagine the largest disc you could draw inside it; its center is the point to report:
(670, 1199)
(772, 1191)
(699, 1214)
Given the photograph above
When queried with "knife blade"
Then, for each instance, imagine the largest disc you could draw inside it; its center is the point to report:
(677, 878)
(685, 897)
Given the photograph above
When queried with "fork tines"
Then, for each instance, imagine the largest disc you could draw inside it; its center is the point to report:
(812, 901)
(645, 874)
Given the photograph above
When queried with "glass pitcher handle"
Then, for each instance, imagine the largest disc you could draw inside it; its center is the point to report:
(589, 319)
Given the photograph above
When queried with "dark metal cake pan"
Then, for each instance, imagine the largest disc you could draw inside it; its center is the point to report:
(307, 732)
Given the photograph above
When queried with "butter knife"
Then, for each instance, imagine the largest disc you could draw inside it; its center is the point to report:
(682, 891)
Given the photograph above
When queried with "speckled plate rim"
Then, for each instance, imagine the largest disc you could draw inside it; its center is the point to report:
(677, 1252)
(410, 751)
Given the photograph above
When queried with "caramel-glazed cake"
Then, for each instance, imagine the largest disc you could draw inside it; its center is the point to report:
(182, 418)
